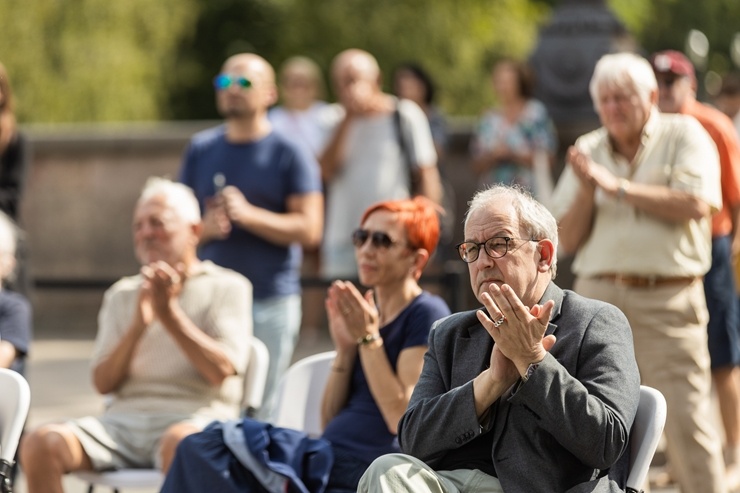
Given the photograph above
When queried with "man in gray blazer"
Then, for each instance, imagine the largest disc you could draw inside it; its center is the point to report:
(534, 393)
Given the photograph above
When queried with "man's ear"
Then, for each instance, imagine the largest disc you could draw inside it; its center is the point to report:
(654, 97)
(546, 250)
(197, 230)
(272, 95)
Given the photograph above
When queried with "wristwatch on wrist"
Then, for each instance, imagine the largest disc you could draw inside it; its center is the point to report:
(530, 370)
(367, 339)
(624, 185)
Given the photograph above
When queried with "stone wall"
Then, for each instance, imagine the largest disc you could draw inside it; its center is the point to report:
(82, 184)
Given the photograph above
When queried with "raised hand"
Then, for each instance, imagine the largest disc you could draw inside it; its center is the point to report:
(236, 205)
(359, 312)
(518, 331)
(216, 223)
(165, 284)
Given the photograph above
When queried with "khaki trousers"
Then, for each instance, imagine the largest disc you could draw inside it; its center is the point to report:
(397, 473)
(669, 327)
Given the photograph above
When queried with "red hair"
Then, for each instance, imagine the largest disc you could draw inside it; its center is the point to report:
(418, 216)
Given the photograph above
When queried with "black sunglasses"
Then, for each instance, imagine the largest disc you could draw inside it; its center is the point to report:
(377, 238)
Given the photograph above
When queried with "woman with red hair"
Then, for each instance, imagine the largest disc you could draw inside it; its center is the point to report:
(380, 336)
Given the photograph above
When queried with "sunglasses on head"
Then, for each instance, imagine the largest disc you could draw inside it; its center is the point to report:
(224, 81)
(377, 238)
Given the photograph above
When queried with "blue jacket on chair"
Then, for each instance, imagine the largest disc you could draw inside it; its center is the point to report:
(249, 456)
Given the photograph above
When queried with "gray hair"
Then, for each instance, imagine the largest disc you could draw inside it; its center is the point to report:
(177, 196)
(626, 71)
(534, 217)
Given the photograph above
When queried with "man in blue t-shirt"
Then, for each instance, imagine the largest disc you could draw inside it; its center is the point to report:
(261, 199)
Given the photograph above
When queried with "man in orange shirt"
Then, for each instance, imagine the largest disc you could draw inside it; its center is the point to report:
(677, 94)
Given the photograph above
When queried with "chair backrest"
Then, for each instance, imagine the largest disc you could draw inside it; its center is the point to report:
(645, 435)
(300, 392)
(15, 399)
(255, 378)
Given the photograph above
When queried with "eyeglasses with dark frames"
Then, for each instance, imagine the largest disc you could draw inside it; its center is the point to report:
(378, 239)
(495, 247)
(223, 81)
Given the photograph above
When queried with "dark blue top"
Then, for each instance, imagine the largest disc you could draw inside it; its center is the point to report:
(267, 172)
(359, 427)
(15, 326)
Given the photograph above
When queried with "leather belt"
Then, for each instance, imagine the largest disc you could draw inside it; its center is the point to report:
(645, 281)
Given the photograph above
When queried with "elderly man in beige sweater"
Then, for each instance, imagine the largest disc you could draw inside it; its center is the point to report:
(170, 352)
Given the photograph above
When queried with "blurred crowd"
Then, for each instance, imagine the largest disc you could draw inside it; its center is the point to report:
(293, 185)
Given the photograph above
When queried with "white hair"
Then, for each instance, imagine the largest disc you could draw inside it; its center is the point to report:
(177, 196)
(537, 221)
(626, 71)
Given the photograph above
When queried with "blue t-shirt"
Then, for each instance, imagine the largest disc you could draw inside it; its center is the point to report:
(359, 427)
(15, 326)
(267, 172)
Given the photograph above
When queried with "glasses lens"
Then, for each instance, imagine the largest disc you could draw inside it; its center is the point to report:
(496, 247)
(468, 251)
(243, 82)
(377, 238)
(359, 237)
(221, 82)
(381, 240)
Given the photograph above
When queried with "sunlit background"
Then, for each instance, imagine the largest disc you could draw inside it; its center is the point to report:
(132, 60)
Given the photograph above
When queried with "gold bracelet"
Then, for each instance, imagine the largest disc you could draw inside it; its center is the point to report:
(367, 339)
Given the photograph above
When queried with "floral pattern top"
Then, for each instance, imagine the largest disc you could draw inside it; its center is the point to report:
(532, 131)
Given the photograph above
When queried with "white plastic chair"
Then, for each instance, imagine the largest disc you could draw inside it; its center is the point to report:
(15, 399)
(645, 435)
(300, 392)
(255, 380)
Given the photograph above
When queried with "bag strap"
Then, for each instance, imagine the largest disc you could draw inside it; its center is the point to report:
(402, 144)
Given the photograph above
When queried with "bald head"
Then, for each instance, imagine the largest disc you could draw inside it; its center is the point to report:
(359, 62)
(356, 80)
(251, 63)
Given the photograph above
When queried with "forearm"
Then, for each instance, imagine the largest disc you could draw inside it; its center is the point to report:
(304, 225)
(112, 370)
(337, 387)
(665, 203)
(589, 422)
(433, 423)
(486, 391)
(331, 158)
(203, 351)
(7, 354)
(575, 225)
(389, 393)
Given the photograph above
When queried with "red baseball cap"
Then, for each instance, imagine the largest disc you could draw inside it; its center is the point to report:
(672, 61)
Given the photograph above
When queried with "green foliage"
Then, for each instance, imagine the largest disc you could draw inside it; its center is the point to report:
(102, 60)
(455, 41)
(223, 28)
(91, 60)
(665, 24)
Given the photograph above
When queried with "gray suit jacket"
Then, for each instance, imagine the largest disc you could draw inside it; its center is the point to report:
(565, 429)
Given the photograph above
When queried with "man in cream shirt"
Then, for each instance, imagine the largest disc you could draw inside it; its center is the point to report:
(171, 351)
(634, 205)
